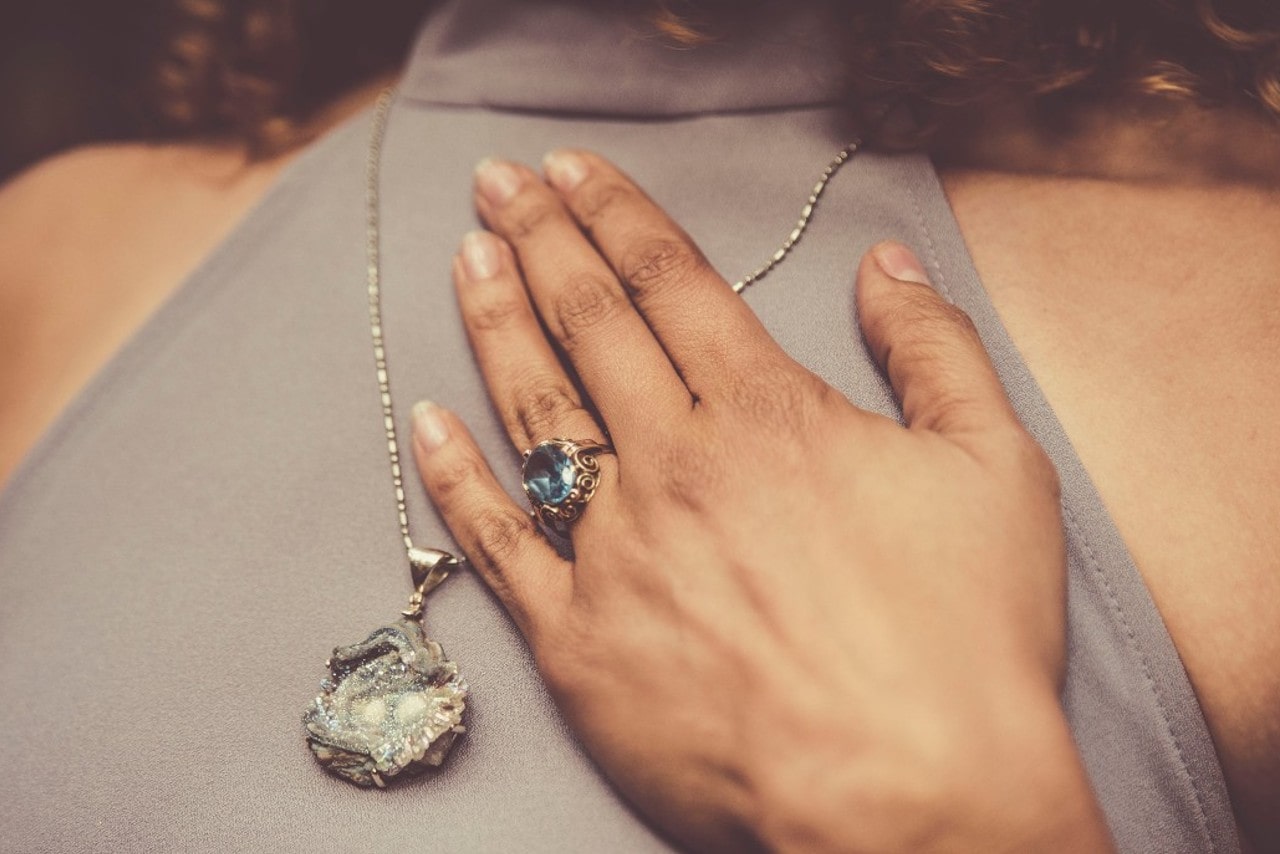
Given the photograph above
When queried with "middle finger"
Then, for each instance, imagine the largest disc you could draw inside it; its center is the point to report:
(621, 364)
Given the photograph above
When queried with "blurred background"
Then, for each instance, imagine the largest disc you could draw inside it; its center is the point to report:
(78, 71)
(66, 70)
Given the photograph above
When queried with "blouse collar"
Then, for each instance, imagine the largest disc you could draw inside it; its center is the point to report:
(605, 57)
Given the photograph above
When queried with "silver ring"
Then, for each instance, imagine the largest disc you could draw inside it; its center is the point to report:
(560, 476)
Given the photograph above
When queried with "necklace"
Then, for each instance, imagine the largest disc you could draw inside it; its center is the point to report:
(392, 704)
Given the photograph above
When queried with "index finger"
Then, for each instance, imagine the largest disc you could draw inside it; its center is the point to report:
(706, 328)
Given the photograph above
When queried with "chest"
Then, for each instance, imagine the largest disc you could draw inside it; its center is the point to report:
(1151, 321)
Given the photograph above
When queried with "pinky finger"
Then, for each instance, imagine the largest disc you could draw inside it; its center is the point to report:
(501, 541)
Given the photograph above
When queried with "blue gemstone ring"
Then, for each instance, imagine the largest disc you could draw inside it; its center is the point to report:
(560, 476)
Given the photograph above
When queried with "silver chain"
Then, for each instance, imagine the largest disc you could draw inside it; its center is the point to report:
(806, 214)
(373, 169)
(373, 172)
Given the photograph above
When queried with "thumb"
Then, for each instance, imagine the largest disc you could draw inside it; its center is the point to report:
(929, 349)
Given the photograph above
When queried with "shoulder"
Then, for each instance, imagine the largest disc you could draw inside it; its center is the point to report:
(108, 223)
(116, 225)
(92, 165)
(101, 204)
(162, 205)
(71, 189)
(91, 242)
(44, 202)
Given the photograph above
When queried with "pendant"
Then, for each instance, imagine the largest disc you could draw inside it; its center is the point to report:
(392, 704)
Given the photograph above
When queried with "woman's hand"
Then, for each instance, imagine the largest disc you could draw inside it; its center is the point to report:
(788, 623)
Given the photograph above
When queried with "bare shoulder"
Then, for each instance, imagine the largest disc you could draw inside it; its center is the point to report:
(91, 242)
(119, 221)
(136, 216)
(103, 203)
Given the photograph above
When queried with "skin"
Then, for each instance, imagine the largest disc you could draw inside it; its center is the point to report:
(1197, 208)
(759, 707)
(93, 240)
(1172, 357)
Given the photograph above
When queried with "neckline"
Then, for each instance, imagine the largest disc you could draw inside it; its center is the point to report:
(508, 54)
(947, 259)
(1110, 574)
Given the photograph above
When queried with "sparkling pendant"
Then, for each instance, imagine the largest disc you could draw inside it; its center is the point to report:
(392, 705)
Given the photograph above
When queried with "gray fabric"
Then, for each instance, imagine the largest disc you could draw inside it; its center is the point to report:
(790, 48)
(213, 514)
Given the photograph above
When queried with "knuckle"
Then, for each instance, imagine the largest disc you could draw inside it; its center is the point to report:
(954, 327)
(496, 313)
(596, 201)
(913, 314)
(777, 402)
(497, 541)
(1024, 458)
(920, 316)
(692, 478)
(454, 475)
(559, 653)
(1035, 464)
(585, 301)
(524, 220)
(963, 323)
(543, 408)
(498, 537)
(943, 404)
(659, 263)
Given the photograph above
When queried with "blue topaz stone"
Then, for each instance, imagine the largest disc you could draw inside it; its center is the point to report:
(549, 474)
(560, 476)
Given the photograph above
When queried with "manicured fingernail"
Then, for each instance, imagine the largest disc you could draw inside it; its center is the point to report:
(480, 255)
(565, 170)
(899, 263)
(498, 180)
(429, 425)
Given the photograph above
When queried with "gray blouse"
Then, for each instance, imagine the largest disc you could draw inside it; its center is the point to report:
(213, 513)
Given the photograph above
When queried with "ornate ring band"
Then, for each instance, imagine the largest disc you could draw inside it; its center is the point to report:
(560, 476)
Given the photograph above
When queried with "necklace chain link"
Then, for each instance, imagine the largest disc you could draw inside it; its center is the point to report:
(373, 169)
(373, 252)
(806, 214)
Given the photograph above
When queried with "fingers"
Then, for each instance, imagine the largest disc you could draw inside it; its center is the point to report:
(929, 348)
(706, 328)
(622, 366)
(533, 583)
(529, 388)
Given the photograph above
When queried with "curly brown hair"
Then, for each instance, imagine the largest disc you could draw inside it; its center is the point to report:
(258, 69)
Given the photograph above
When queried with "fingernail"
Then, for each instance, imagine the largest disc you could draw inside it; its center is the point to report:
(565, 170)
(480, 255)
(498, 180)
(898, 262)
(429, 425)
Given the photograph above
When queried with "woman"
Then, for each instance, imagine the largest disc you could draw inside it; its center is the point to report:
(790, 623)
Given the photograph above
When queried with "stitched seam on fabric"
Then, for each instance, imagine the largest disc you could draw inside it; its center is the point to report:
(1095, 565)
(1131, 640)
(933, 248)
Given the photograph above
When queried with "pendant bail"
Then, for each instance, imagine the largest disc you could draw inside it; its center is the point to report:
(429, 568)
